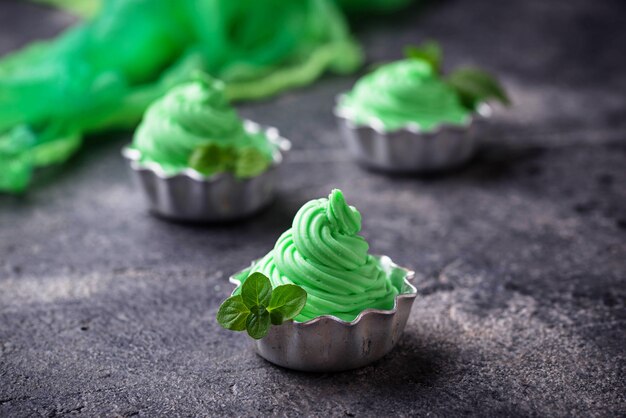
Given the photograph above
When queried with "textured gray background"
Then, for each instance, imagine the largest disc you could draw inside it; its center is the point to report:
(105, 310)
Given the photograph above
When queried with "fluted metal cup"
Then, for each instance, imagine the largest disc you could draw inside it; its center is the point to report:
(192, 196)
(329, 344)
(409, 149)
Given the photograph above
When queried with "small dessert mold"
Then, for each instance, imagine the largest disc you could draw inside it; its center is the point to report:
(409, 149)
(192, 196)
(329, 344)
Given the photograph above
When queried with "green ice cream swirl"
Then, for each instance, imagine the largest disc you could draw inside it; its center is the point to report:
(323, 254)
(402, 93)
(193, 115)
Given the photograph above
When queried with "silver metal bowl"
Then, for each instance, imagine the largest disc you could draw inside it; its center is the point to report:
(329, 344)
(408, 149)
(192, 196)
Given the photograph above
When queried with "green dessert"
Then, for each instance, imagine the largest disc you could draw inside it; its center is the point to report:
(414, 92)
(323, 253)
(193, 126)
(405, 92)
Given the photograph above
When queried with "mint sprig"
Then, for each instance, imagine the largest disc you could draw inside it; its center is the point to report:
(243, 162)
(475, 86)
(429, 51)
(210, 159)
(258, 306)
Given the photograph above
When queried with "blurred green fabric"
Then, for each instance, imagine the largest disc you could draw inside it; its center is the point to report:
(104, 72)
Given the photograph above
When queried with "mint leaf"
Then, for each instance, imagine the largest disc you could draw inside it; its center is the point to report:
(256, 291)
(258, 322)
(288, 300)
(211, 158)
(251, 162)
(233, 314)
(206, 159)
(429, 51)
(254, 307)
(276, 317)
(475, 86)
(244, 163)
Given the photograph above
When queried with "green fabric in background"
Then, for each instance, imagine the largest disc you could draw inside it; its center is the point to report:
(104, 72)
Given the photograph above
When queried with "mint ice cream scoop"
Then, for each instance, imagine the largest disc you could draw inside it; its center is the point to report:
(406, 92)
(323, 253)
(194, 126)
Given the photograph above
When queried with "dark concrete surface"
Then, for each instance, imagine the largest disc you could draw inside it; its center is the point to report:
(521, 256)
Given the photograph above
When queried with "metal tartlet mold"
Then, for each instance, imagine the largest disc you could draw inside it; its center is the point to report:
(192, 196)
(409, 149)
(329, 344)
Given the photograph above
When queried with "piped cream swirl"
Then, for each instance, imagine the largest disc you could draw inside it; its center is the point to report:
(322, 253)
(403, 93)
(194, 115)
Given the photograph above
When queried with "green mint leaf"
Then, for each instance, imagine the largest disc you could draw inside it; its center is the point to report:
(287, 299)
(258, 322)
(429, 51)
(276, 317)
(254, 306)
(256, 291)
(211, 158)
(251, 163)
(233, 314)
(206, 159)
(475, 86)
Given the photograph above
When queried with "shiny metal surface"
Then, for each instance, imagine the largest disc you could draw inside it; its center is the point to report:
(191, 196)
(328, 344)
(408, 149)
